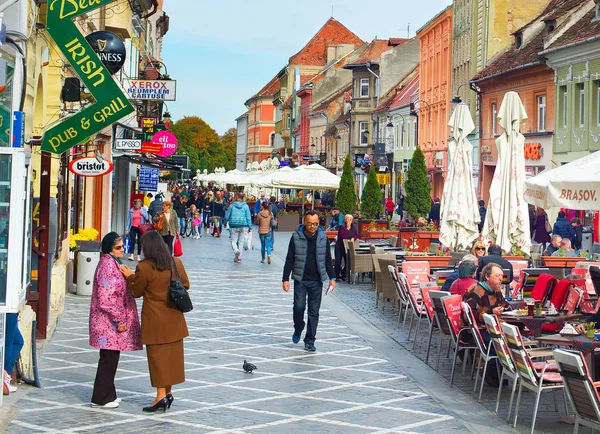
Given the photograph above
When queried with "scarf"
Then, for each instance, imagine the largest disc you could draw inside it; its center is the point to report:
(116, 259)
(487, 288)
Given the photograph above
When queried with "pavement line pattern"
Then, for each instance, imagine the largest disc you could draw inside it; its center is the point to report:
(240, 313)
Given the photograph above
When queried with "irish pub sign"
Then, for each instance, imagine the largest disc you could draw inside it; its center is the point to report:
(111, 104)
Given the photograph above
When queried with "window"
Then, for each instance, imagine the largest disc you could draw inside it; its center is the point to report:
(289, 121)
(364, 88)
(564, 105)
(415, 135)
(363, 128)
(541, 113)
(494, 119)
(581, 104)
(400, 135)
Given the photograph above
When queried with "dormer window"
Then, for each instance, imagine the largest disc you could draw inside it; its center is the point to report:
(518, 40)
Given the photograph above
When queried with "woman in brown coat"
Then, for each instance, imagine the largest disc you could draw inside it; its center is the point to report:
(170, 224)
(163, 325)
(264, 230)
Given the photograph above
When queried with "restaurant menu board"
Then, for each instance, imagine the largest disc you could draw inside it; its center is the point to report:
(416, 272)
(453, 310)
(148, 180)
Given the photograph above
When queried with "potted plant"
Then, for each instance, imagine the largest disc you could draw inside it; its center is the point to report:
(84, 240)
(516, 254)
(590, 329)
(441, 258)
(371, 206)
(345, 198)
(561, 260)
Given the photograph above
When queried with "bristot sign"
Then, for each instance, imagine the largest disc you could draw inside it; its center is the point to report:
(109, 48)
(158, 90)
(90, 166)
(111, 104)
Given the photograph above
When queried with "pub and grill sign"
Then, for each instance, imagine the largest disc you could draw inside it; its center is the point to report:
(109, 48)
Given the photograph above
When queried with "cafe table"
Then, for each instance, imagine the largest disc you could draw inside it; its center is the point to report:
(534, 323)
(587, 346)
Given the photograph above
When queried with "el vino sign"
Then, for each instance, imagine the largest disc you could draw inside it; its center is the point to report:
(90, 166)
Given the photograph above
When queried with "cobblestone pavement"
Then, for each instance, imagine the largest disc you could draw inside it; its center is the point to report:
(347, 386)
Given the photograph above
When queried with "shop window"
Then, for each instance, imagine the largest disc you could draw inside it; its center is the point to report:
(364, 88)
(363, 128)
(541, 113)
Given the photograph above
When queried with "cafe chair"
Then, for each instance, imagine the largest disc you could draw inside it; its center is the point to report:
(484, 349)
(393, 241)
(543, 286)
(581, 389)
(441, 320)
(459, 334)
(377, 281)
(558, 299)
(386, 288)
(359, 263)
(426, 303)
(518, 289)
(533, 379)
(418, 309)
(574, 298)
(403, 302)
(509, 369)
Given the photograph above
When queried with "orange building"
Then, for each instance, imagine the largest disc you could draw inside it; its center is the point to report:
(433, 106)
(523, 70)
(261, 122)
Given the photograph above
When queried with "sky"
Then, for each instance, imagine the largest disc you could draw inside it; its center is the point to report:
(223, 52)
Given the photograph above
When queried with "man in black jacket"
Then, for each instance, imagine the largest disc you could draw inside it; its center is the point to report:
(309, 260)
(434, 212)
(179, 207)
(495, 256)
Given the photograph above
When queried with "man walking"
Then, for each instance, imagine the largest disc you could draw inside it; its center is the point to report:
(309, 261)
(240, 222)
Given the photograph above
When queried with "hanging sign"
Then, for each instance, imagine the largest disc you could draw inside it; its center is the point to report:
(167, 141)
(90, 166)
(128, 144)
(148, 179)
(159, 90)
(111, 104)
(109, 48)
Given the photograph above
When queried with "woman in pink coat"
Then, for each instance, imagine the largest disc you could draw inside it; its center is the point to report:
(114, 321)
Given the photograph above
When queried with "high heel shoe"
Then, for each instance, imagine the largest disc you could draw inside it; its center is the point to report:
(162, 404)
(171, 399)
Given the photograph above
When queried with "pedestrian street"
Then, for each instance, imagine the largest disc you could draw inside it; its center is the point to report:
(240, 314)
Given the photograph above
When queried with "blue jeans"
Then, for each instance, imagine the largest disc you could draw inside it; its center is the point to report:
(314, 291)
(13, 342)
(265, 244)
(181, 225)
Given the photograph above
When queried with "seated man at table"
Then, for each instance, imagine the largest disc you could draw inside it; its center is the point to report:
(337, 219)
(486, 297)
(494, 256)
(452, 277)
(567, 249)
(553, 246)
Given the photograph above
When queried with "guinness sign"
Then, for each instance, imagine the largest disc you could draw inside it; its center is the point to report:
(109, 48)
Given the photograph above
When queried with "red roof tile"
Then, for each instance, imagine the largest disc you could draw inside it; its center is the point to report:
(392, 42)
(315, 51)
(270, 88)
(583, 29)
(403, 98)
(554, 10)
(371, 53)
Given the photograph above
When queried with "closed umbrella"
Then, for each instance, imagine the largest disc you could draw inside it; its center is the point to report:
(459, 212)
(507, 218)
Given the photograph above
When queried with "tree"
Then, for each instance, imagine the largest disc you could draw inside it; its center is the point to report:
(346, 196)
(370, 201)
(418, 190)
(229, 140)
(186, 145)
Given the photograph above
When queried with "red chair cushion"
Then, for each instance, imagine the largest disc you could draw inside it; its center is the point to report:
(539, 366)
(552, 377)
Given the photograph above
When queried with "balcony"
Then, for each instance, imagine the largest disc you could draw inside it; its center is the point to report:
(280, 96)
(278, 126)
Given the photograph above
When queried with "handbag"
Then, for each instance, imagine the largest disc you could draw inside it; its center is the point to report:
(177, 249)
(177, 292)
(159, 224)
(547, 226)
(273, 222)
(145, 227)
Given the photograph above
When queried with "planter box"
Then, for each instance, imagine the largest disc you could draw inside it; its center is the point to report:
(288, 222)
(414, 236)
(363, 226)
(370, 235)
(561, 261)
(88, 246)
(514, 258)
(434, 261)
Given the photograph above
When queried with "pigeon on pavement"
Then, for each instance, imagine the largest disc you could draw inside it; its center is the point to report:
(248, 367)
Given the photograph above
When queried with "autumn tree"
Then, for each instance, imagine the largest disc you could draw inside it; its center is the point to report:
(186, 145)
(229, 140)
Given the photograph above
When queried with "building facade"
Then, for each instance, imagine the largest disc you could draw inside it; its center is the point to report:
(433, 106)
(261, 123)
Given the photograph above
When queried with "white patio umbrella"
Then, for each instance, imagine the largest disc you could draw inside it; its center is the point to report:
(575, 185)
(507, 218)
(459, 211)
(313, 177)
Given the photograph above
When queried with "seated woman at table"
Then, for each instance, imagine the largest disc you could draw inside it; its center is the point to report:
(347, 231)
(466, 278)
(479, 249)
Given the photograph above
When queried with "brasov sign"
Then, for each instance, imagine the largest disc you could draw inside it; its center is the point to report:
(168, 142)
(89, 166)
(111, 104)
